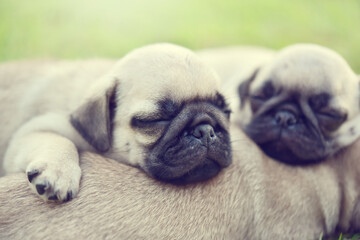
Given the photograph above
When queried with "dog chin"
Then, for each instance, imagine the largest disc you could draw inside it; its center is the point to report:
(205, 171)
(188, 166)
(279, 151)
(297, 145)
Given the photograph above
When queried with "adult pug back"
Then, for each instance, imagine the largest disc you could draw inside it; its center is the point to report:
(300, 105)
(159, 108)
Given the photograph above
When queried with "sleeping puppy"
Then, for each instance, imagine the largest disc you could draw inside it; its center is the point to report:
(159, 108)
(253, 199)
(300, 105)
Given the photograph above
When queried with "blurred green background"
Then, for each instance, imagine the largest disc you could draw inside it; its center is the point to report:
(110, 28)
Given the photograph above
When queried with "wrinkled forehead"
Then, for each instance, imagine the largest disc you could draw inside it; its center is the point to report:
(181, 77)
(167, 104)
(307, 71)
(176, 76)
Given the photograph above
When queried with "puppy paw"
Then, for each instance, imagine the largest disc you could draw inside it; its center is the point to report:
(54, 181)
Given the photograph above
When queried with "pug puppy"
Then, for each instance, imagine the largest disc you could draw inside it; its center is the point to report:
(159, 108)
(300, 105)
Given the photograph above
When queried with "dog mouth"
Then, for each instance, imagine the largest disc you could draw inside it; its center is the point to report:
(191, 158)
(288, 138)
(207, 170)
(194, 163)
(195, 146)
(288, 151)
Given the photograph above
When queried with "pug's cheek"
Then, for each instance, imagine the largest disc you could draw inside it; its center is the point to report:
(145, 139)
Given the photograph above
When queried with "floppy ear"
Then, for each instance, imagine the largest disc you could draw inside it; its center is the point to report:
(93, 119)
(244, 87)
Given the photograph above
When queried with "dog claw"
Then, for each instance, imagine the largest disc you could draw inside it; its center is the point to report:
(54, 197)
(68, 196)
(32, 174)
(40, 188)
(51, 182)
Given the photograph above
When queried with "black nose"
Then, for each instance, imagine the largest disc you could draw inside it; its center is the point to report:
(285, 118)
(204, 132)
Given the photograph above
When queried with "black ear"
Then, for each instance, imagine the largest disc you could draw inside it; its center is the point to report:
(93, 119)
(244, 87)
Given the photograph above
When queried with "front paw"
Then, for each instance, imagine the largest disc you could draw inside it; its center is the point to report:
(53, 181)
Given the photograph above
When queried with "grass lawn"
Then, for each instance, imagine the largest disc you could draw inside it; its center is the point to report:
(110, 28)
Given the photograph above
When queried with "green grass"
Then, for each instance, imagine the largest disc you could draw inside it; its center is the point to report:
(110, 28)
(344, 237)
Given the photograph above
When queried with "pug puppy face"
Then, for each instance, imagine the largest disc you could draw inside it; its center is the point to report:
(160, 109)
(302, 106)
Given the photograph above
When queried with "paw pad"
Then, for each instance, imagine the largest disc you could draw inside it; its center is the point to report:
(40, 188)
(54, 182)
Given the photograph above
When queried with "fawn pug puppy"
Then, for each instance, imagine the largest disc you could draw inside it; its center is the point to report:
(300, 105)
(158, 108)
(255, 198)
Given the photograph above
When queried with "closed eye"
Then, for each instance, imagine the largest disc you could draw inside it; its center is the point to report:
(258, 97)
(144, 123)
(227, 113)
(319, 101)
(333, 116)
(256, 101)
(331, 120)
(266, 92)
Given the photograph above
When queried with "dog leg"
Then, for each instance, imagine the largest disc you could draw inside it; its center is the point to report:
(43, 149)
